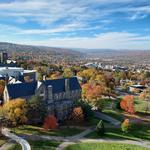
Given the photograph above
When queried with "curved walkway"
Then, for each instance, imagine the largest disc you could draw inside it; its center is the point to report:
(25, 145)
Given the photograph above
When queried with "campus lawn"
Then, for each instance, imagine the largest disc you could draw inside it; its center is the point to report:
(15, 147)
(3, 140)
(117, 114)
(141, 106)
(103, 146)
(34, 130)
(137, 132)
(44, 145)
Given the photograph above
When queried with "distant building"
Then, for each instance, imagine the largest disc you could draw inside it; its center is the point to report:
(16, 72)
(59, 94)
(3, 57)
(137, 88)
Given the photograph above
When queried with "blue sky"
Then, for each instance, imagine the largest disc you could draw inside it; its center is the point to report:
(119, 24)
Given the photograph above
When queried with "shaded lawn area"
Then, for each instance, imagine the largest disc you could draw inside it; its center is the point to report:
(117, 114)
(92, 122)
(141, 106)
(34, 130)
(103, 146)
(3, 140)
(38, 145)
(44, 145)
(15, 147)
(136, 133)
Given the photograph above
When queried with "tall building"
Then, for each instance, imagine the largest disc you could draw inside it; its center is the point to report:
(3, 57)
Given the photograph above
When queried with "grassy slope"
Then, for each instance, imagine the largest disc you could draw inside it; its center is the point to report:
(3, 140)
(44, 145)
(38, 145)
(114, 113)
(15, 147)
(103, 146)
(27, 129)
(136, 133)
(140, 106)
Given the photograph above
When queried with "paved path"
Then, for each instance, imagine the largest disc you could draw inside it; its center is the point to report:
(25, 145)
(106, 118)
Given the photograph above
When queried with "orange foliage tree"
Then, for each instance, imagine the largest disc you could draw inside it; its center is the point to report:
(92, 92)
(50, 122)
(127, 104)
(77, 114)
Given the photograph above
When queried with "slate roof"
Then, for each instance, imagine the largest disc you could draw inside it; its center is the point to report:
(21, 89)
(58, 85)
(28, 89)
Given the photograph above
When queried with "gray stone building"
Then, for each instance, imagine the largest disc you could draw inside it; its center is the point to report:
(59, 94)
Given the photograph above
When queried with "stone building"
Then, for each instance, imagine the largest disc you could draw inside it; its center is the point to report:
(59, 94)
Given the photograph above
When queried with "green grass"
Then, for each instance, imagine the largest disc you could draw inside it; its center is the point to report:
(34, 130)
(104, 146)
(136, 133)
(140, 106)
(15, 147)
(38, 145)
(114, 113)
(3, 140)
(44, 145)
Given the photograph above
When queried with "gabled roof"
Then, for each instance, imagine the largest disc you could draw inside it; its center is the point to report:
(21, 89)
(58, 85)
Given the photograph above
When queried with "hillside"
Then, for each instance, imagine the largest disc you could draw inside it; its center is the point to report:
(38, 50)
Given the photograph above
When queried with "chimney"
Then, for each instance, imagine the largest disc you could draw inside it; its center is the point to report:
(49, 93)
(67, 88)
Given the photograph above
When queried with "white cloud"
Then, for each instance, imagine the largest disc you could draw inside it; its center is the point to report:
(46, 12)
(116, 40)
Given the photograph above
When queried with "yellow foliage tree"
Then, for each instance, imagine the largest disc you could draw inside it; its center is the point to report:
(15, 111)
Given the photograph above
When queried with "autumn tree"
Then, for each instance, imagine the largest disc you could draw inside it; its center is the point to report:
(77, 114)
(56, 75)
(15, 111)
(92, 93)
(50, 122)
(68, 73)
(127, 104)
(2, 86)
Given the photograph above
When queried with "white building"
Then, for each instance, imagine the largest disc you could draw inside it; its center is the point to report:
(11, 71)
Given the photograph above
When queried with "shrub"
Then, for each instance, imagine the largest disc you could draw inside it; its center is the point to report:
(100, 104)
(50, 122)
(87, 109)
(125, 126)
(77, 114)
(100, 128)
